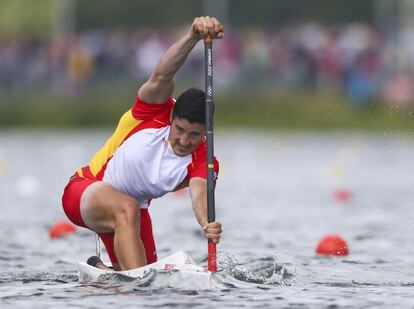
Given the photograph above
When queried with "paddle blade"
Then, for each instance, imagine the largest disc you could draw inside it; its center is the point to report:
(212, 257)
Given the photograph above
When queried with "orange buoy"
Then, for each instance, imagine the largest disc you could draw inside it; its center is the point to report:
(342, 195)
(332, 245)
(61, 228)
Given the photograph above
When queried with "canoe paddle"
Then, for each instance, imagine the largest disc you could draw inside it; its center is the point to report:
(211, 215)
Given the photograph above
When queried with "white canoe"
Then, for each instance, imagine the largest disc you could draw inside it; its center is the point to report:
(177, 271)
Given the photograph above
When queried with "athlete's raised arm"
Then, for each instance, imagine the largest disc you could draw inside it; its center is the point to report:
(160, 85)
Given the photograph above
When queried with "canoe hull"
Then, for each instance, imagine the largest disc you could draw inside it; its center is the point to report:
(177, 270)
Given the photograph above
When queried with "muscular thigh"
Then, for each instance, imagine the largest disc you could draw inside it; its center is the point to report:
(98, 206)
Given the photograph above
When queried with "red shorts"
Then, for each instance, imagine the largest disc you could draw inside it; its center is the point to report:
(71, 205)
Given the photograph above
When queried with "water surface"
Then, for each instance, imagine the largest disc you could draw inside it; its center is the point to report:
(275, 198)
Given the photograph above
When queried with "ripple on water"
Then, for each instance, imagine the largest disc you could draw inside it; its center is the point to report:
(29, 277)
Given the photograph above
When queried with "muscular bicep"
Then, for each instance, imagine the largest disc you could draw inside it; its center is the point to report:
(156, 90)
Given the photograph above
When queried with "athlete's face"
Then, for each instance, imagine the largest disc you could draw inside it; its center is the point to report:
(185, 137)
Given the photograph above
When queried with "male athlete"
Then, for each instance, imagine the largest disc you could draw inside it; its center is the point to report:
(157, 147)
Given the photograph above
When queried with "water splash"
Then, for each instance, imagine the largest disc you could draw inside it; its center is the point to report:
(262, 271)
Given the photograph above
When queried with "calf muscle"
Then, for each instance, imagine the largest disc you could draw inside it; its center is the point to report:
(105, 209)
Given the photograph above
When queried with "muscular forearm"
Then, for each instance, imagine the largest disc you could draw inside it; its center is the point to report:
(199, 203)
(160, 85)
(174, 58)
(198, 191)
(177, 53)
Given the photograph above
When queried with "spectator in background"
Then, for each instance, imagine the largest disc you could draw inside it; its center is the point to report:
(80, 66)
(352, 59)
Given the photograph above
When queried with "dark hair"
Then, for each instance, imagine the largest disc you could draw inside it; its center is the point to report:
(191, 106)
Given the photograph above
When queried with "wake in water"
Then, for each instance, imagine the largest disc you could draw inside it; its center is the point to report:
(262, 271)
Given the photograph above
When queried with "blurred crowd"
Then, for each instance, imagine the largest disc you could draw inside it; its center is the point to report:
(354, 60)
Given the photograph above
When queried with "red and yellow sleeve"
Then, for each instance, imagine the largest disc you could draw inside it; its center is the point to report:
(141, 115)
(146, 111)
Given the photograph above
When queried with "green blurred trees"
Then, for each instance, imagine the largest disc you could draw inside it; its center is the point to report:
(277, 12)
(131, 13)
(41, 18)
(25, 18)
(239, 12)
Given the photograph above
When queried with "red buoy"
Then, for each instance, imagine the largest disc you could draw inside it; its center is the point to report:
(342, 195)
(332, 245)
(61, 228)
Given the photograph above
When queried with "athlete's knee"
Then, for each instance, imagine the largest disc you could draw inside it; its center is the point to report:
(127, 212)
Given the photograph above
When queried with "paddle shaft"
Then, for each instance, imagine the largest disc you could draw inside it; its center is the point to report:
(97, 246)
(211, 216)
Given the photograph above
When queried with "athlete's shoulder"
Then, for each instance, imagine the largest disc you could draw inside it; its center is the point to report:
(146, 110)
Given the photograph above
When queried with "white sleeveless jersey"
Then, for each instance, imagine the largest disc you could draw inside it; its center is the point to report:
(138, 159)
(145, 166)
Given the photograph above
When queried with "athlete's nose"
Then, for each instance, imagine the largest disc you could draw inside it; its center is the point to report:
(184, 140)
